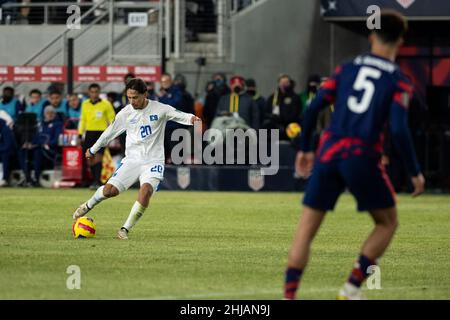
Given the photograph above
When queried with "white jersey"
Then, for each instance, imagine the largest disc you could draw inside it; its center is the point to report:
(145, 131)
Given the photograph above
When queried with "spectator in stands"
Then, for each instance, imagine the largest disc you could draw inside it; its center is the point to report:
(324, 117)
(36, 104)
(259, 100)
(114, 99)
(24, 12)
(239, 104)
(308, 95)
(96, 115)
(7, 150)
(74, 103)
(124, 98)
(283, 107)
(214, 91)
(55, 99)
(171, 95)
(151, 93)
(187, 101)
(44, 146)
(10, 104)
(9, 15)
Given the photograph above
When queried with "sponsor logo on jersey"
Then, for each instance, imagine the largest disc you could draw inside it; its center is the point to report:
(154, 117)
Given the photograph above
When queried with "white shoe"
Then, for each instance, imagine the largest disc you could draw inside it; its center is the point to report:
(81, 211)
(350, 292)
(122, 234)
(3, 183)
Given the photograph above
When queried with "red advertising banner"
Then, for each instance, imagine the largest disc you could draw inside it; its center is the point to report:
(5, 73)
(26, 73)
(89, 73)
(117, 73)
(148, 73)
(80, 73)
(53, 73)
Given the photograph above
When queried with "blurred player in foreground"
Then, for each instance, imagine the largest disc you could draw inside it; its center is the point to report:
(367, 93)
(143, 121)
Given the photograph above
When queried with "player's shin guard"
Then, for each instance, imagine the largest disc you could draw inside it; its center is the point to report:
(291, 283)
(96, 198)
(360, 271)
(136, 213)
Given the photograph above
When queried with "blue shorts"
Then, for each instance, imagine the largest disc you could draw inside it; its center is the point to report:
(364, 177)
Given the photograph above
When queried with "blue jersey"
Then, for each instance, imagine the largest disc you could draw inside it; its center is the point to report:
(368, 94)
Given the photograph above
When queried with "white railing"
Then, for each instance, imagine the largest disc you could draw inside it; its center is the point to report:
(108, 49)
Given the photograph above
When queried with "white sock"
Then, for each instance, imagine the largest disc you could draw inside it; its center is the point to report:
(136, 213)
(96, 198)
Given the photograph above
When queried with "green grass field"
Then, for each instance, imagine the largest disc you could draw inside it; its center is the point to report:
(208, 245)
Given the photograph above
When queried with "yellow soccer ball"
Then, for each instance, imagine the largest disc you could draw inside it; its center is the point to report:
(293, 129)
(84, 227)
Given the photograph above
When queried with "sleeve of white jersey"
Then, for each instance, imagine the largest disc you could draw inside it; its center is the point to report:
(114, 129)
(173, 114)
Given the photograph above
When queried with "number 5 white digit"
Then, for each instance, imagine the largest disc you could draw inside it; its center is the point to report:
(363, 82)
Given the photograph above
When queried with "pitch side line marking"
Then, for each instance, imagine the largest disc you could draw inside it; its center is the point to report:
(280, 292)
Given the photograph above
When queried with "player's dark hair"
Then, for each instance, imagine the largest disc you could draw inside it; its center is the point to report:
(129, 75)
(136, 84)
(54, 91)
(393, 26)
(10, 89)
(94, 86)
(283, 76)
(37, 91)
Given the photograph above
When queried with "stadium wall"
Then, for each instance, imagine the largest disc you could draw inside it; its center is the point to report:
(23, 41)
(269, 39)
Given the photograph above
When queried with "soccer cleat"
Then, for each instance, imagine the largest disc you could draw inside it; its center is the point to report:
(122, 234)
(350, 292)
(81, 211)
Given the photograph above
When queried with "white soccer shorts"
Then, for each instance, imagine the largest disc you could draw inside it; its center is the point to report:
(129, 172)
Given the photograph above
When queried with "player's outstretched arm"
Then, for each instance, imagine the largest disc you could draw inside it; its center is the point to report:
(173, 114)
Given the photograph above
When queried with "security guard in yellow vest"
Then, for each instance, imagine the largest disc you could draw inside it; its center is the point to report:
(96, 115)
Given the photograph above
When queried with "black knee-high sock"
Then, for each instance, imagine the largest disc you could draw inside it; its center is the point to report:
(96, 172)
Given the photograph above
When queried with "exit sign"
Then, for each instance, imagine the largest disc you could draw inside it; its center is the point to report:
(137, 19)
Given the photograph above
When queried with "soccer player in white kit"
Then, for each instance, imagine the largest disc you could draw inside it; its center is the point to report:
(144, 122)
